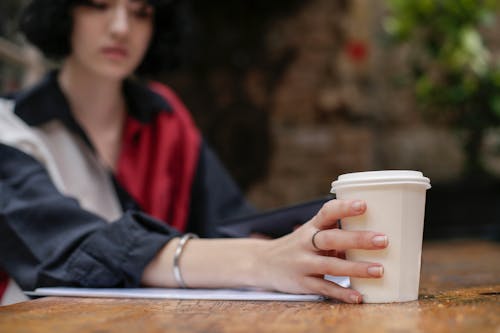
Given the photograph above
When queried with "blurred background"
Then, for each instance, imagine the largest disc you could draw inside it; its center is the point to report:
(292, 94)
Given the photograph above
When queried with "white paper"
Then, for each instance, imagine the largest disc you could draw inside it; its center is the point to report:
(161, 293)
(186, 294)
(342, 281)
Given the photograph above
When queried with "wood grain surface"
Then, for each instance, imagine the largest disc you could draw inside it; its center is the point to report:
(460, 292)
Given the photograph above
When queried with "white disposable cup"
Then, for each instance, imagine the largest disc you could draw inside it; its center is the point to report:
(396, 207)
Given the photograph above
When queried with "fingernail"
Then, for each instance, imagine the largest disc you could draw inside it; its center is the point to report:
(358, 206)
(376, 271)
(380, 240)
(355, 298)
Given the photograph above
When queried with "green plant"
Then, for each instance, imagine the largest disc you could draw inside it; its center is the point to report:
(457, 80)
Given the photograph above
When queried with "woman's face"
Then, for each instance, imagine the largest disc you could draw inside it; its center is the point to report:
(110, 37)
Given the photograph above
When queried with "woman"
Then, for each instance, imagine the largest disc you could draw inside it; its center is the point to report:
(91, 145)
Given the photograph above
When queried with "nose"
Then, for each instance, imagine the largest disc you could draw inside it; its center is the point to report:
(120, 21)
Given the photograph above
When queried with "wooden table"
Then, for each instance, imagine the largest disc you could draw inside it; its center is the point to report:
(460, 290)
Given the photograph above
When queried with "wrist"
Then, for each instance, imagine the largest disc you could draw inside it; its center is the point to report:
(177, 256)
(212, 263)
(254, 267)
(226, 263)
(159, 272)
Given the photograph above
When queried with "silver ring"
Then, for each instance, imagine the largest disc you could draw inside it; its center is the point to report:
(313, 242)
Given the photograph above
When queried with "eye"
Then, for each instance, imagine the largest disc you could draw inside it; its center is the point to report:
(96, 4)
(141, 9)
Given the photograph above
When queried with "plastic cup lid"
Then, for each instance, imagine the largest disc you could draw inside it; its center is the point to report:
(380, 177)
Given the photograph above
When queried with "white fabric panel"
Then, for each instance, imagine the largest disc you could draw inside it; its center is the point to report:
(71, 164)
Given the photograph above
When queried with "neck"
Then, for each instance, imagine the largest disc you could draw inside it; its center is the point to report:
(96, 102)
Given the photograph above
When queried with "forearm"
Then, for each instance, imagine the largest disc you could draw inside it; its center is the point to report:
(209, 263)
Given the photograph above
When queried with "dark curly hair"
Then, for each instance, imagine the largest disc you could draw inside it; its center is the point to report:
(47, 24)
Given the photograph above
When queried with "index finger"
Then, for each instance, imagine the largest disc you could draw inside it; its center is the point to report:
(334, 210)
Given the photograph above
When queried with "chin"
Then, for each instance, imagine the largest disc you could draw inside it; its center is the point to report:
(115, 72)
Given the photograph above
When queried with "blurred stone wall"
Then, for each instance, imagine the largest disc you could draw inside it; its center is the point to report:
(339, 107)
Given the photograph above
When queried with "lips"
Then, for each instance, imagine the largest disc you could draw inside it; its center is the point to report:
(115, 52)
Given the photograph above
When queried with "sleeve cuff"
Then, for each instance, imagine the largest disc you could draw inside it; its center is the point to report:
(117, 255)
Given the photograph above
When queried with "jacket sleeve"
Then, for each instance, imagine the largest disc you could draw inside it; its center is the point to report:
(47, 239)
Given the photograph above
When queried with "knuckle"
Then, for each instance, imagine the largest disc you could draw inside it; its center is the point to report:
(321, 265)
(359, 270)
(368, 240)
(332, 211)
(303, 284)
(323, 212)
(335, 239)
(325, 239)
(337, 292)
(334, 236)
(303, 261)
(355, 269)
(333, 266)
(362, 270)
(326, 204)
(343, 205)
(359, 240)
(332, 239)
(325, 289)
(354, 240)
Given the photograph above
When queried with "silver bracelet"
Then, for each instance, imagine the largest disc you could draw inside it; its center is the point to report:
(177, 256)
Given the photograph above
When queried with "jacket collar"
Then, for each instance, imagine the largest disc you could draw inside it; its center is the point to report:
(45, 102)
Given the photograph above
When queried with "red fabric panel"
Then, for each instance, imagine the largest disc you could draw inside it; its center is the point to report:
(158, 161)
(4, 280)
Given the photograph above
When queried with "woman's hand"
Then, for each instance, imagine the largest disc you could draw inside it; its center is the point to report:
(290, 264)
(293, 264)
